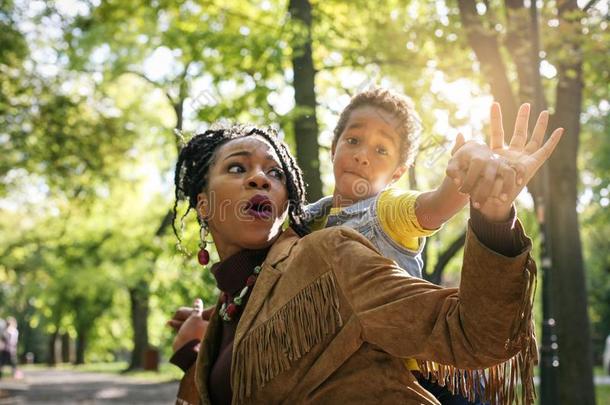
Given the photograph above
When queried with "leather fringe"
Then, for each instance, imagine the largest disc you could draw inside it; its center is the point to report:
(511, 382)
(270, 348)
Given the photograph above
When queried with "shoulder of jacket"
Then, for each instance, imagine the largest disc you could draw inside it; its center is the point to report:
(329, 239)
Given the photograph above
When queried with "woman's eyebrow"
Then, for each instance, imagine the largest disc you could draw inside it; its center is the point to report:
(239, 153)
(248, 154)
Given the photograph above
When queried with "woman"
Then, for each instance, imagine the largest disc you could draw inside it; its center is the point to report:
(324, 318)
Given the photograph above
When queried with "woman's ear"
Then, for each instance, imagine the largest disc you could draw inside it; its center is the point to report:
(202, 205)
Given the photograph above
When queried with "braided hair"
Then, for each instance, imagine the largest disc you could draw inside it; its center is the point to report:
(197, 156)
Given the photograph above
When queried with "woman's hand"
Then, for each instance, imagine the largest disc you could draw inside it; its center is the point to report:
(189, 323)
(523, 156)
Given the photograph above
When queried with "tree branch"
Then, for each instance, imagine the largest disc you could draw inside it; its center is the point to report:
(149, 80)
(589, 5)
(444, 259)
(519, 43)
(484, 43)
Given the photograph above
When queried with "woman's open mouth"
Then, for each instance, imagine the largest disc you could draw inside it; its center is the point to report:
(259, 207)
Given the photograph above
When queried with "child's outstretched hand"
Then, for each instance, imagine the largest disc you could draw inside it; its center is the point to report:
(523, 155)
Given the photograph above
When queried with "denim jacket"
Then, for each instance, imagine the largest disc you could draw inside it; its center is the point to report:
(362, 216)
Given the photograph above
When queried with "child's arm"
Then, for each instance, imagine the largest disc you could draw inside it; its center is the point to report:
(434, 208)
(478, 165)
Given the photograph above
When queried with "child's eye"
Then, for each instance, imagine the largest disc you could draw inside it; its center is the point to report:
(235, 168)
(277, 173)
(352, 141)
(382, 151)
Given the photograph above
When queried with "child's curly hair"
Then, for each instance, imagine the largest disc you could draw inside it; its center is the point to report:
(409, 123)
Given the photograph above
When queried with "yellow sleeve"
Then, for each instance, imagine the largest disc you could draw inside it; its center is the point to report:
(396, 211)
(411, 364)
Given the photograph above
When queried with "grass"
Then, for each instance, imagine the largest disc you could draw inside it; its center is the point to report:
(167, 372)
(602, 394)
(599, 370)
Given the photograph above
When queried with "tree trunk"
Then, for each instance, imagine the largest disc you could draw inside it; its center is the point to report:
(539, 189)
(54, 349)
(81, 346)
(568, 281)
(67, 349)
(139, 320)
(305, 120)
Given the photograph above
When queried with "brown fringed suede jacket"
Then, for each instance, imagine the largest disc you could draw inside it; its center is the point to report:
(329, 321)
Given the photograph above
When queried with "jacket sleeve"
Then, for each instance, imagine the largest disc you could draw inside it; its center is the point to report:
(469, 327)
(187, 391)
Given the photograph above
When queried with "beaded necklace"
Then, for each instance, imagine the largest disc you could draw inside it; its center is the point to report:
(230, 307)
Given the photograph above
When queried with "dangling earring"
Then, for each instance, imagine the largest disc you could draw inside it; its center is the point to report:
(203, 256)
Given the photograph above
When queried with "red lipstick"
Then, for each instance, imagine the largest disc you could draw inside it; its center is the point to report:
(259, 207)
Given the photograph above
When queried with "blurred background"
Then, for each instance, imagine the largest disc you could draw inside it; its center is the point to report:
(96, 95)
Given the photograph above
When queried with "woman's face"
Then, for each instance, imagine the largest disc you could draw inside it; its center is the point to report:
(246, 201)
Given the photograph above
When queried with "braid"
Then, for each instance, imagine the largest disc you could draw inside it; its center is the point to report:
(197, 156)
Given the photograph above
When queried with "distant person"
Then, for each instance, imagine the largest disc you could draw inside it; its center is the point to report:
(2, 345)
(8, 346)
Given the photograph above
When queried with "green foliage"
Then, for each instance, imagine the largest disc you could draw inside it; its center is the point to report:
(88, 150)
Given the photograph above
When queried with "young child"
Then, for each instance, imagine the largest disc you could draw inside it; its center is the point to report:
(375, 140)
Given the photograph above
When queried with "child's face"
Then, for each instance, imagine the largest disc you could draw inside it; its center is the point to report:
(366, 156)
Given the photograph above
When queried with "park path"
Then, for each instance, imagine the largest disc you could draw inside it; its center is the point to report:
(69, 387)
(50, 386)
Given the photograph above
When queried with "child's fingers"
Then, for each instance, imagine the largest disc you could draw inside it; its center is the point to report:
(520, 173)
(538, 134)
(459, 142)
(508, 181)
(496, 141)
(496, 189)
(454, 171)
(474, 172)
(485, 184)
(520, 135)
